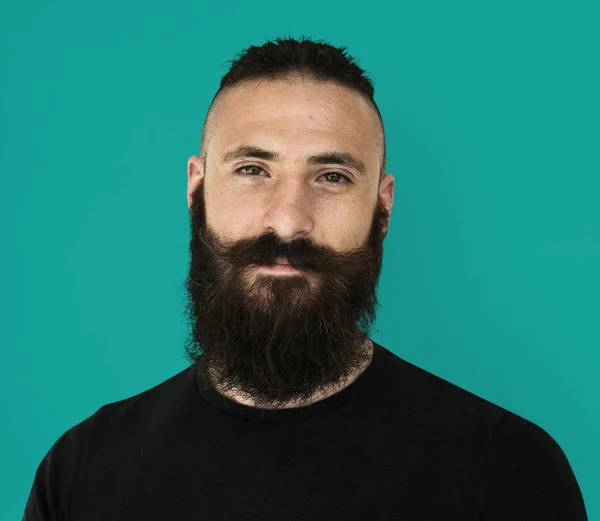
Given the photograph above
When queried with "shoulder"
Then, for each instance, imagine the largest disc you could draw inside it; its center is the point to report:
(437, 401)
(520, 448)
(526, 475)
(524, 441)
(62, 468)
(160, 398)
(521, 470)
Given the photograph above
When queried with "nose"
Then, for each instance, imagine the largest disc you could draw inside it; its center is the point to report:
(290, 211)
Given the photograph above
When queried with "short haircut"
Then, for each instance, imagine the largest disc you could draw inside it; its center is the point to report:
(289, 58)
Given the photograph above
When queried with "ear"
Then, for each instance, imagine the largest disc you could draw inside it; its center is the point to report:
(386, 196)
(195, 177)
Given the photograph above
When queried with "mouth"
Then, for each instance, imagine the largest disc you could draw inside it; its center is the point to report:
(280, 266)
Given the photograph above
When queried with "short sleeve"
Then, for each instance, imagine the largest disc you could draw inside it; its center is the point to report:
(54, 484)
(526, 476)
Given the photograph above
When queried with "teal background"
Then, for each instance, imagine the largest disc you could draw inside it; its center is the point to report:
(491, 273)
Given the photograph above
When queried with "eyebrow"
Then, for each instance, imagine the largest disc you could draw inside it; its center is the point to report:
(338, 158)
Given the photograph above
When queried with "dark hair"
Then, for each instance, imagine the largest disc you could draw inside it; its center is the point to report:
(287, 58)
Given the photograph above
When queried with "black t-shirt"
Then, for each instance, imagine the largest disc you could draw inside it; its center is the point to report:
(399, 443)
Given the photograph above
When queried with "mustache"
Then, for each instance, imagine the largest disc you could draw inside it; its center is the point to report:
(301, 253)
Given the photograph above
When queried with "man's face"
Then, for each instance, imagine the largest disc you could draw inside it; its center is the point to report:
(280, 334)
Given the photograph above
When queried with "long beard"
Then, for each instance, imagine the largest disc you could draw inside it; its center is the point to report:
(277, 338)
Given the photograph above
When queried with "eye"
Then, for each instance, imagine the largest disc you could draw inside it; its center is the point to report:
(343, 179)
(242, 171)
(248, 167)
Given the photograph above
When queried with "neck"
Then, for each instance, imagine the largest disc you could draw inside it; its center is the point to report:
(318, 396)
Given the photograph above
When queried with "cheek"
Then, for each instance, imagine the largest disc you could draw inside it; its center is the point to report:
(232, 220)
(346, 228)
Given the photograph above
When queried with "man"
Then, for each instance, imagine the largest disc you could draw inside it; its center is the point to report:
(288, 411)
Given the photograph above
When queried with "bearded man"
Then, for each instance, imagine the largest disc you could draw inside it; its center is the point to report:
(288, 410)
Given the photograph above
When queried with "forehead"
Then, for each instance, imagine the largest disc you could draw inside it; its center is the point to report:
(298, 118)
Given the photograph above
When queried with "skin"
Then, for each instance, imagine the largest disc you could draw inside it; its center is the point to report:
(295, 118)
